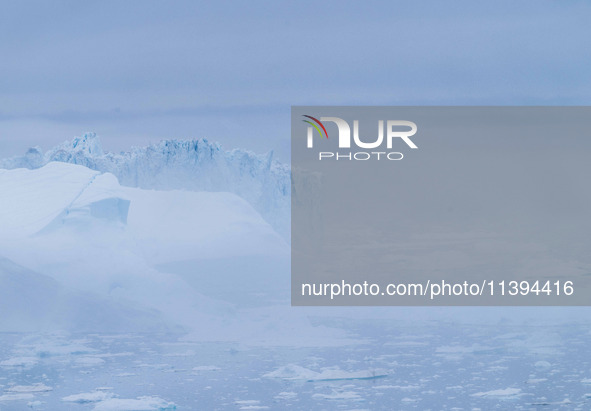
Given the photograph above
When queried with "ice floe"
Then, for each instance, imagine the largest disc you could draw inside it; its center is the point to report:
(500, 393)
(38, 387)
(139, 404)
(88, 397)
(296, 372)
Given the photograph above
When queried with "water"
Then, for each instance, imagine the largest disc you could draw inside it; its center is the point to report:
(429, 366)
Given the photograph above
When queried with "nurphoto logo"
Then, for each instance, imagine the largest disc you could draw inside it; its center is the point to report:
(395, 129)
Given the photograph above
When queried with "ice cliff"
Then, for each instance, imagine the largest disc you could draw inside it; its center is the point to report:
(194, 165)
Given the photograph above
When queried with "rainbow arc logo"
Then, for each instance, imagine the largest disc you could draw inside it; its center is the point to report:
(319, 123)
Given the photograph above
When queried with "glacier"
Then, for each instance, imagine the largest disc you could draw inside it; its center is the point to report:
(195, 165)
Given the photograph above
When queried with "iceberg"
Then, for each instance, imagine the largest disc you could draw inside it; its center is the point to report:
(83, 252)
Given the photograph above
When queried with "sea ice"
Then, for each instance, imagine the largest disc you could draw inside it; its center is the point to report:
(139, 404)
(38, 387)
(501, 393)
(296, 372)
(88, 397)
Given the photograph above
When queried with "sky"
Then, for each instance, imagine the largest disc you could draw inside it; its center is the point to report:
(138, 72)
